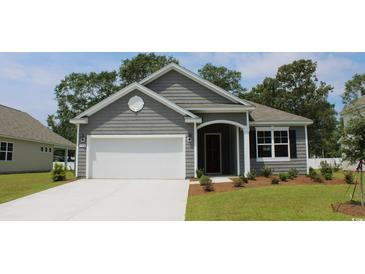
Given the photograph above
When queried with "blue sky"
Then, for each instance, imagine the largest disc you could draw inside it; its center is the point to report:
(27, 80)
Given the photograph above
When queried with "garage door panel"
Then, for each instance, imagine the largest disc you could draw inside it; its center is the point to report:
(137, 158)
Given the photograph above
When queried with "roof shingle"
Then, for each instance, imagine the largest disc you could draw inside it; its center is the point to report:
(17, 124)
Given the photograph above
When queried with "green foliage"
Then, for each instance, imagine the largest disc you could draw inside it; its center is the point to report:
(353, 140)
(238, 183)
(203, 180)
(199, 172)
(243, 178)
(336, 167)
(58, 173)
(349, 177)
(283, 176)
(139, 67)
(251, 175)
(296, 89)
(312, 172)
(222, 77)
(354, 89)
(208, 187)
(76, 93)
(326, 169)
(275, 181)
(328, 175)
(266, 171)
(293, 173)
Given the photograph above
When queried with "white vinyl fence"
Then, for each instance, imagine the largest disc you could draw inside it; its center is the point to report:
(316, 162)
(70, 165)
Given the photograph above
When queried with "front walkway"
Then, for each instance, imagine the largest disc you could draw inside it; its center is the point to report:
(103, 200)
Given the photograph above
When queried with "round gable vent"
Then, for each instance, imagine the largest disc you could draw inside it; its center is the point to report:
(135, 103)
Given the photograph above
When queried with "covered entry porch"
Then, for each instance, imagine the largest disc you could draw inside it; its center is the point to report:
(223, 148)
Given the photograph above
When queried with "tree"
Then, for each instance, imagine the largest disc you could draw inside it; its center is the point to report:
(296, 89)
(222, 77)
(354, 88)
(353, 144)
(142, 65)
(76, 93)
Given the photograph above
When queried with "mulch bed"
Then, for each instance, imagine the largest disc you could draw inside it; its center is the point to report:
(349, 208)
(259, 182)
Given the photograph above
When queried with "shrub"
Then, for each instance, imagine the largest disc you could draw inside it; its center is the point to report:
(275, 181)
(317, 178)
(199, 172)
(251, 175)
(283, 176)
(266, 171)
(58, 173)
(244, 179)
(238, 183)
(293, 173)
(208, 186)
(328, 176)
(312, 173)
(325, 168)
(203, 180)
(349, 177)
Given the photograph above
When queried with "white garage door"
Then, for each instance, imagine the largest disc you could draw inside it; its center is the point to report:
(136, 157)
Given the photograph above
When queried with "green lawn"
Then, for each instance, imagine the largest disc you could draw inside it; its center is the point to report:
(300, 202)
(14, 186)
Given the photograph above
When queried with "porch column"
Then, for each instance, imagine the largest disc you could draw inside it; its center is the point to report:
(195, 149)
(66, 156)
(238, 150)
(246, 141)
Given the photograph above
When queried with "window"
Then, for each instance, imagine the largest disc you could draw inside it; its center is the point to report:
(50, 149)
(42, 149)
(6, 151)
(272, 144)
(45, 149)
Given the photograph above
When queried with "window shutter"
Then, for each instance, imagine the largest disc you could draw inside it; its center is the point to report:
(293, 143)
(252, 144)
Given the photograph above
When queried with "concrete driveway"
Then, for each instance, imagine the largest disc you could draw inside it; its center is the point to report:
(103, 200)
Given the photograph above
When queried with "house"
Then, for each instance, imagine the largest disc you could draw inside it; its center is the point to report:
(173, 122)
(25, 144)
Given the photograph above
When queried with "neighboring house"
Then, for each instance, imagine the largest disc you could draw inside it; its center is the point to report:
(25, 144)
(174, 122)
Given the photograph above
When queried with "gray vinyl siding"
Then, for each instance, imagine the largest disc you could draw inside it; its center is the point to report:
(154, 119)
(235, 117)
(182, 90)
(242, 153)
(27, 157)
(300, 163)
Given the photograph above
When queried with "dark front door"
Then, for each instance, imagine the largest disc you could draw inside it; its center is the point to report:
(213, 153)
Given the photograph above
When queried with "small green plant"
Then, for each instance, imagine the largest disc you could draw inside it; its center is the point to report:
(199, 172)
(325, 168)
(293, 173)
(275, 181)
(58, 173)
(328, 176)
(238, 183)
(317, 178)
(266, 171)
(208, 187)
(349, 177)
(251, 175)
(243, 178)
(203, 180)
(283, 176)
(312, 173)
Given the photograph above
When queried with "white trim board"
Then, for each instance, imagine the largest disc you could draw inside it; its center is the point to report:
(195, 78)
(135, 86)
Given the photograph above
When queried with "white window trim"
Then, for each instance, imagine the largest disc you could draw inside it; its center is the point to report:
(6, 152)
(273, 158)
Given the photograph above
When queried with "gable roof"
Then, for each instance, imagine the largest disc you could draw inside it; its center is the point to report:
(268, 115)
(196, 78)
(356, 104)
(135, 86)
(20, 125)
